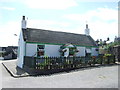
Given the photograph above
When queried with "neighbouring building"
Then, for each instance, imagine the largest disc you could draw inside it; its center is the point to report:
(1, 53)
(45, 43)
(116, 49)
(9, 52)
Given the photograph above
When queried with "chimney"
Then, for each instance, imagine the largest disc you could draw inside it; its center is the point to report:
(24, 23)
(87, 30)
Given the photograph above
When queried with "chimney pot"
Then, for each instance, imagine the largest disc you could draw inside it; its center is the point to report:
(24, 23)
(87, 30)
(23, 17)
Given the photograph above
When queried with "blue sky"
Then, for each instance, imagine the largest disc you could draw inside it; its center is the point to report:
(59, 15)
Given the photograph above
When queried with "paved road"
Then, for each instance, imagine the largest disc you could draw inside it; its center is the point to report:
(103, 77)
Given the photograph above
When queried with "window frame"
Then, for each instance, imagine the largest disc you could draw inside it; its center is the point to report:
(40, 50)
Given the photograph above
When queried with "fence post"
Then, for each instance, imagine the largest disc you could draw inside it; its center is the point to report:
(34, 63)
(71, 62)
(93, 61)
(50, 63)
(60, 62)
(80, 61)
(64, 65)
(108, 59)
(113, 58)
(101, 60)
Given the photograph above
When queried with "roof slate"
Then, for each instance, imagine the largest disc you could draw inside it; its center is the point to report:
(47, 36)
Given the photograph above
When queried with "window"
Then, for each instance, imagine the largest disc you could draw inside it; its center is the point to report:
(40, 53)
(97, 49)
(71, 51)
(88, 52)
(41, 46)
(40, 50)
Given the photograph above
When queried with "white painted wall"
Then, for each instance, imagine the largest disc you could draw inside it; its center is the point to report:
(21, 51)
(52, 50)
(31, 49)
(94, 52)
(81, 51)
(87, 31)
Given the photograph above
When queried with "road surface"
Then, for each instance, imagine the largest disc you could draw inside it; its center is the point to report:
(102, 77)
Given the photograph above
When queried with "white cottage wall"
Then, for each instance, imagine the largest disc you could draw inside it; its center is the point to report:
(94, 52)
(21, 51)
(52, 50)
(31, 49)
(81, 51)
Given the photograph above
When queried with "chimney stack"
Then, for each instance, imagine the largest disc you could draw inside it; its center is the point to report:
(87, 30)
(24, 23)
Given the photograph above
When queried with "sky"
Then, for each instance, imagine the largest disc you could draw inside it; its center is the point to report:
(58, 15)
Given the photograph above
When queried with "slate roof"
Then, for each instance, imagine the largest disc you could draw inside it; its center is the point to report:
(47, 36)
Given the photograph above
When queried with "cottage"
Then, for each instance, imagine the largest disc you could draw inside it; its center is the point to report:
(45, 43)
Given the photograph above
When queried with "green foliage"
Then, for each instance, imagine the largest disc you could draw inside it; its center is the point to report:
(108, 55)
(109, 46)
(114, 44)
(0, 54)
(72, 50)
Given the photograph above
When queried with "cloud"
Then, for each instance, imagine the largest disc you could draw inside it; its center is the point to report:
(50, 4)
(97, 0)
(8, 8)
(7, 0)
(7, 32)
(103, 14)
(102, 22)
(103, 30)
(107, 14)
